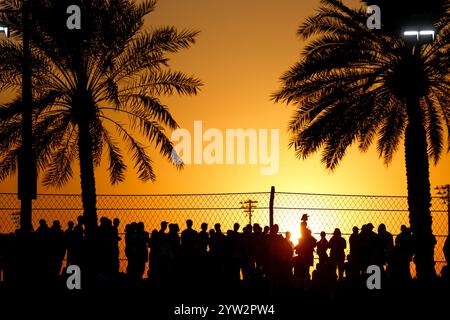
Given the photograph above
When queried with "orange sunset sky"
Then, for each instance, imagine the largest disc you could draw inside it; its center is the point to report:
(242, 50)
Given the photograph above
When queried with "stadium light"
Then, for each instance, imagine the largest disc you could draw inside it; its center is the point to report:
(5, 30)
(419, 34)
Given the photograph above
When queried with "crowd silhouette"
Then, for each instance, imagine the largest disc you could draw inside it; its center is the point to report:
(255, 256)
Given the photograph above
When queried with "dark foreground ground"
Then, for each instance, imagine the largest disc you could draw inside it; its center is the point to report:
(147, 300)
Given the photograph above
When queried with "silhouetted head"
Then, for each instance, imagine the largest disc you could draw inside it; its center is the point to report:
(217, 227)
(42, 223)
(381, 228)
(274, 230)
(56, 224)
(212, 232)
(337, 232)
(355, 230)
(266, 230)
(204, 226)
(80, 220)
(236, 227)
(257, 229)
(369, 226)
(163, 226)
(140, 226)
(70, 225)
(304, 217)
(116, 222)
(248, 229)
(189, 223)
(323, 235)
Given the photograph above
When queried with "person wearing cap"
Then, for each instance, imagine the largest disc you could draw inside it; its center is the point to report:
(304, 224)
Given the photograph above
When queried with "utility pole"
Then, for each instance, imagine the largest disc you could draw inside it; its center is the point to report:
(249, 206)
(444, 193)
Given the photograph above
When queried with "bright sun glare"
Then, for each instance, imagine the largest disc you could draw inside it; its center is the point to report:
(294, 229)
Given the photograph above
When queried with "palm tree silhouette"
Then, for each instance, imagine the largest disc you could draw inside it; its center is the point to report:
(93, 88)
(354, 85)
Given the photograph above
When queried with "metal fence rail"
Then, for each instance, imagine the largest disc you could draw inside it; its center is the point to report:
(326, 211)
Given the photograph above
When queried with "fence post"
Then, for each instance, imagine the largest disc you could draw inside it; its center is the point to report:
(272, 198)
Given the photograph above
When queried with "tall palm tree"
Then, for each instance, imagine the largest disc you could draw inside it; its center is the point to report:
(93, 89)
(354, 85)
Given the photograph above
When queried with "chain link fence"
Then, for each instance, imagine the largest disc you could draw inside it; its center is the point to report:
(326, 212)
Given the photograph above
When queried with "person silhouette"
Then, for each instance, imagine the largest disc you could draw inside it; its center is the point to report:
(247, 253)
(370, 248)
(258, 250)
(203, 239)
(141, 249)
(162, 230)
(57, 250)
(337, 246)
(154, 256)
(78, 255)
(234, 256)
(116, 250)
(43, 252)
(106, 242)
(189, 240)
(303, 223)
(189, 248)
(322, 247)
(130, 249)
(354, 257)
(387, 244)
(174, 251)
(69, 240)
(403, 253)
(305, 254)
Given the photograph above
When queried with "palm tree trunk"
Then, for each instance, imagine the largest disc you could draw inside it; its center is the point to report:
(88, 194)
(87, 178)
(419, 197)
